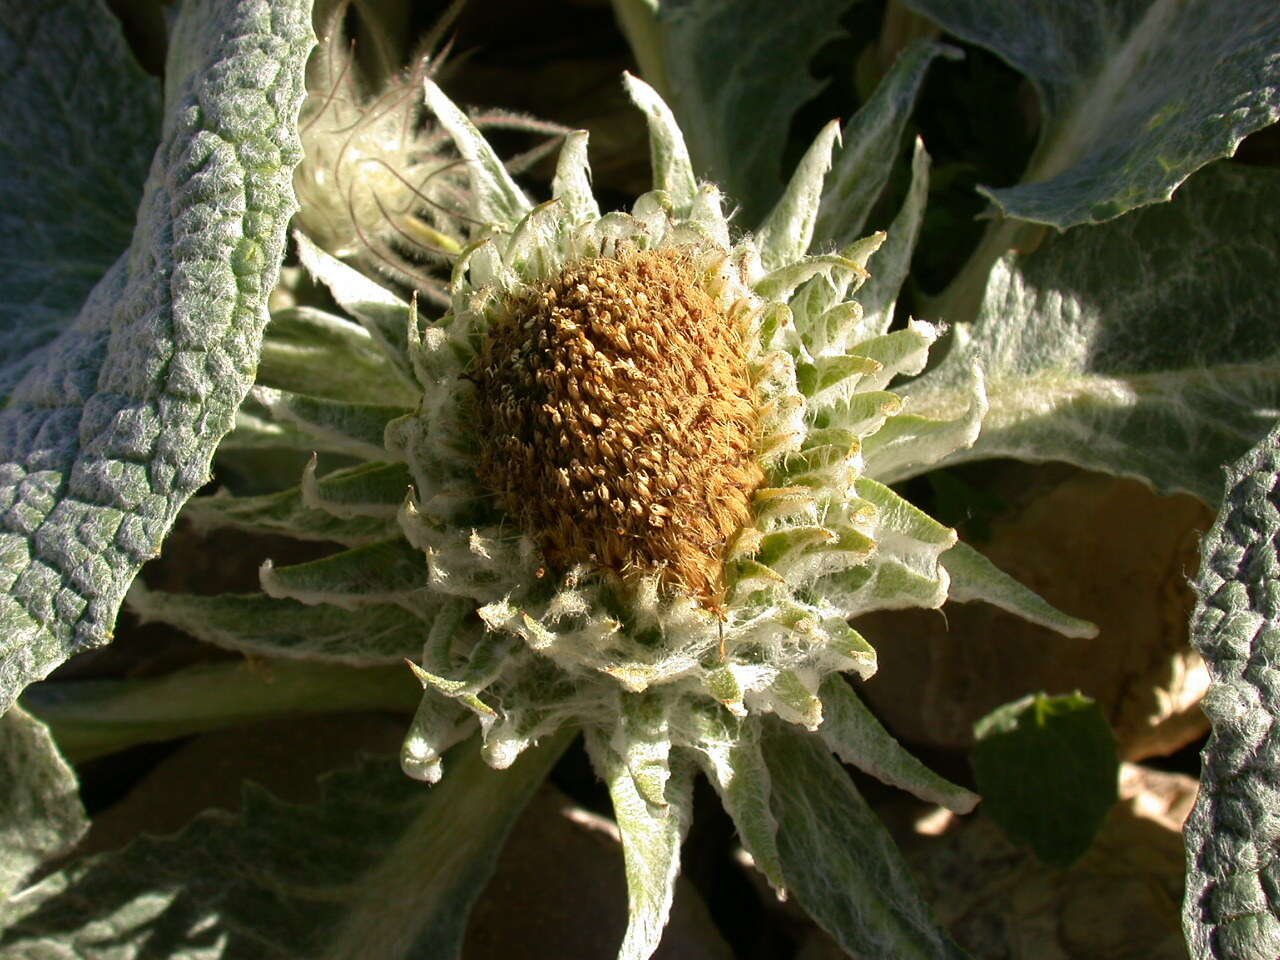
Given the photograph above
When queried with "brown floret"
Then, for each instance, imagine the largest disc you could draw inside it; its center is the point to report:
(619, 421)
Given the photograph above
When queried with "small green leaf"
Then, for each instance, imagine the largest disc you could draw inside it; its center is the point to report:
(1048, 772)
(906, 576)
(645, 730)
(908, 443)
(889, 266)
(257, 429)
(40, 812)
(839, 861)
(382, 866)
(667, 151)
(355, 428)
(388, 572)
(785, 235)
(306, 513)
(382, 314)
(1136, 96)
(572, 184)
(495, 196)
(1145, 347)
(308, 351)
(727, 749)
(828, 380)
(1233, 833)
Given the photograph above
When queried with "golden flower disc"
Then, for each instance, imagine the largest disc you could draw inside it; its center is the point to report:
(618, 419)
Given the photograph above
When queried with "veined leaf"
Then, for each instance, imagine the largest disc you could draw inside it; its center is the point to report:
(1233, 833)
(1146, 347)
(1135, 95)
(839, 861)
(112, 427)
(75, 155)
(382, 866)
(40, 811)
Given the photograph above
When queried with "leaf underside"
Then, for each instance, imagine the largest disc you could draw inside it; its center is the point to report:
(1135, 95)
(40, 811)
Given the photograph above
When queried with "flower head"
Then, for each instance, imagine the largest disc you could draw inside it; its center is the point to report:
(641, 476)
(639, 458)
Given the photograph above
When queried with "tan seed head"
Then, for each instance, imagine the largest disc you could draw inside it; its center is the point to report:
(618, 420)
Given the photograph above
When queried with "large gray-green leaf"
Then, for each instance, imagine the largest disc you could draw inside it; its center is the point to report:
(1136, 94)
(839, 861)
(106, 436)
(382, 867)
(735, 72)
(1147, 346)
(1233, 833)
(40, 812)
(91, 718)
(77, 132)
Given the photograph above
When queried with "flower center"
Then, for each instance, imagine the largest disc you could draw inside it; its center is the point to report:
(618, 419)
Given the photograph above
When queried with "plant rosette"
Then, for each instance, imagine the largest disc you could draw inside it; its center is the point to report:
(642, 496)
